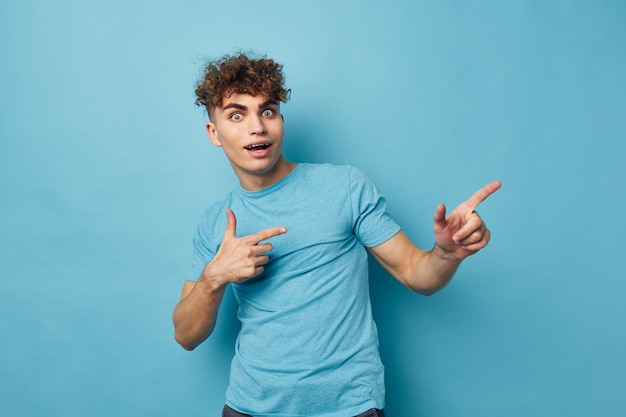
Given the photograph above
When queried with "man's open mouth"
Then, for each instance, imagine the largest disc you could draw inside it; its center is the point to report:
(258, 146)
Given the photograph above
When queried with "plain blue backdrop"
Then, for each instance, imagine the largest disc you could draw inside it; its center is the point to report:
(106, 169)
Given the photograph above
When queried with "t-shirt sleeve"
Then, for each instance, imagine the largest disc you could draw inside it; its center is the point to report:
(203, 250)
(372, 223)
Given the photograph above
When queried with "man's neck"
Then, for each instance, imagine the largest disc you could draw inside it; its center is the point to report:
(255, 182)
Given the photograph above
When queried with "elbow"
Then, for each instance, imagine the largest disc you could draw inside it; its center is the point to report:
(188, 348)
(184, 342)
(427, 292)
(183, 335)
(190, 339)
(423, 291)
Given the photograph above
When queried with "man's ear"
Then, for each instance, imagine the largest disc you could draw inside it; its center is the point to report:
(211, 130)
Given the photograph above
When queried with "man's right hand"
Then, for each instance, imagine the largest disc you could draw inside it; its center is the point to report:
(239, 259)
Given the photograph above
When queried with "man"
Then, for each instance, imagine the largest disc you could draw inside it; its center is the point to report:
(292, 241)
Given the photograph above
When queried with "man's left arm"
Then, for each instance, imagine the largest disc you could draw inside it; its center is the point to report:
(461, 234)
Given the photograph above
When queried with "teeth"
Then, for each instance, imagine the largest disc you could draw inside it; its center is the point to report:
(257, 146)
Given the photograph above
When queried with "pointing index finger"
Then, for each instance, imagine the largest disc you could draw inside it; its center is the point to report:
(268, 233)
(480, 195)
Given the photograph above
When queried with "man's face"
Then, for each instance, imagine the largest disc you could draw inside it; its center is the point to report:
(250, 130)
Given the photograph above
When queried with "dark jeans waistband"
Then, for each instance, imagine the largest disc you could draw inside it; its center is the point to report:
(229, 412)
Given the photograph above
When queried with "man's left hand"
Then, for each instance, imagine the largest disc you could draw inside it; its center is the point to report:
(463, 232)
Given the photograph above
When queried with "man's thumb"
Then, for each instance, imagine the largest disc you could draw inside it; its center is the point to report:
(231, 224)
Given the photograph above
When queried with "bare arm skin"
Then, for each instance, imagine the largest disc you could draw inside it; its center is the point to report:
(237, 260)
(461, 234)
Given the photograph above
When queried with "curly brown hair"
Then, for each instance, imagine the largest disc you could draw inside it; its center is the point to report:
(239, 74)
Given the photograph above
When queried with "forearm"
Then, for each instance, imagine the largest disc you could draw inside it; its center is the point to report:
(431, 271)
(425, 272)
(196, 313)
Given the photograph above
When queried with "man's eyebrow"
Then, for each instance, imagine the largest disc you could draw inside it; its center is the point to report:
(269, 103)
(234, 106)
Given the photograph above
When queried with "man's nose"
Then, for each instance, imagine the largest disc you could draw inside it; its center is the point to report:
(257, 127)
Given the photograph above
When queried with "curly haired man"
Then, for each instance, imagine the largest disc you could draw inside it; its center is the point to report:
(292, 241)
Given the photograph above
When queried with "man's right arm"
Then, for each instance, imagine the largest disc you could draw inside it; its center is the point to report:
(237, 260)
(196, 313)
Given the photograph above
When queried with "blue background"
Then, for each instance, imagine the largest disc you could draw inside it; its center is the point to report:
(105, 170)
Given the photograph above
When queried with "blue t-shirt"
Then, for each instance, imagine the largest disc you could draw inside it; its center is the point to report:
(308, 344)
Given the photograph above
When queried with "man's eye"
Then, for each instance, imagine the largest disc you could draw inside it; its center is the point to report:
(236, 117)
(268, 113)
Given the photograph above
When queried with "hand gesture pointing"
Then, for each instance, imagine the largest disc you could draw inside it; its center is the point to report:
(239, 259)
(463, 232)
